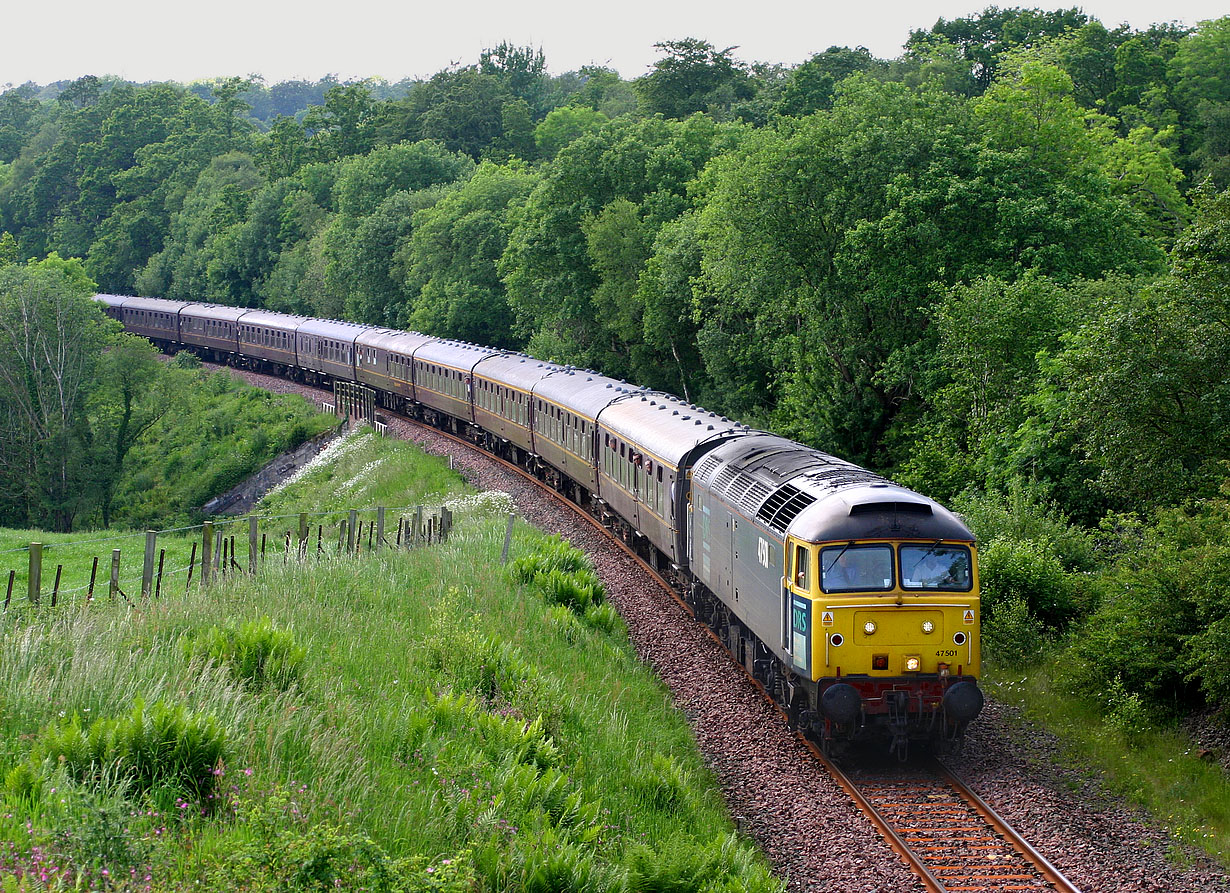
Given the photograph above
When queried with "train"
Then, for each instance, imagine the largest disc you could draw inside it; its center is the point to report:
(852, 600)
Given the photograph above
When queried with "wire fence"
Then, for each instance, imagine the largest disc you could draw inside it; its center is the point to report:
(161, 562)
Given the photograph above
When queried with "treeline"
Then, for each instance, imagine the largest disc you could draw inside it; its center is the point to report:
(993, 266)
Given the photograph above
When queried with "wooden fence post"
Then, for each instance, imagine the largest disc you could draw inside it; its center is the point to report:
(418, 525)
(147, 568)
(191, 568)
(207, 552)
(34, 589)
(304, 532)
(379, 526)
(115, 572)
(252, 544)
(350, 540)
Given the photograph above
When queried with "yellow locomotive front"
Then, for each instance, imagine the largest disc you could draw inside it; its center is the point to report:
(893, 629)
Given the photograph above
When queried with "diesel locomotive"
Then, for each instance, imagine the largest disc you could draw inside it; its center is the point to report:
(854, 601)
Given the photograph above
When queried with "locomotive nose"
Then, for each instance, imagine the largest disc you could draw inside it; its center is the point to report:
(963, 701)
(841, 703)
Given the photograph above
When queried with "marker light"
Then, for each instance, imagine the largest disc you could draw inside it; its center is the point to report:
(928, 627)
(913, 664)
(869, 627)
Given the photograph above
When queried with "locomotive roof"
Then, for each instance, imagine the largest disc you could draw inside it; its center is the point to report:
(332, 328)
(394, 340)
(665, 425)
(457, 354)
(582, 392)
(272, 320)
(210, 311)
(816, 497)
(516, 369)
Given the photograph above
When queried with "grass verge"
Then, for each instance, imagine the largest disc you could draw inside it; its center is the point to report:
(1157, 769)
(403, 720)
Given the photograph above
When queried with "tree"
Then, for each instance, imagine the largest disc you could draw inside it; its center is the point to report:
(51, 335)
(693, 77)
(131, 395)
(983, 39)
(450, 260)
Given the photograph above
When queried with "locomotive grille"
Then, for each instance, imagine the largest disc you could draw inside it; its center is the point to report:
(706, 466)
(783, 507)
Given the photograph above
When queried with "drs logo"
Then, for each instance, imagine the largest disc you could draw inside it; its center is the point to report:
(762, 552)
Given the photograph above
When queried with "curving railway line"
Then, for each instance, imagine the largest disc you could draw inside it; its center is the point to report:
(947, 835)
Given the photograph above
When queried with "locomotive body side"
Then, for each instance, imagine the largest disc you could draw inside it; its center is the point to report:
(855, 600)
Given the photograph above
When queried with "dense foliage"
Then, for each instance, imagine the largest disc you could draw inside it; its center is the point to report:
(993, 267)
(94, 429)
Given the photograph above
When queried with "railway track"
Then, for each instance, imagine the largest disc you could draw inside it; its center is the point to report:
(949, 837)
(945, 833)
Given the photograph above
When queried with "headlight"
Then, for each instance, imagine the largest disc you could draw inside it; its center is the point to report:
(913, 664)
(869, 627)
(928, 627)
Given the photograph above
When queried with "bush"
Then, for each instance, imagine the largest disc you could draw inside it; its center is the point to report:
(166, 746)
(1030, 572)
(287, 852)
(683, 864)
(1014, 635)
(562, 573)
(256, 652)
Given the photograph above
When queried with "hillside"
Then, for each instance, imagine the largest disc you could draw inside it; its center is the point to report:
(357, 723)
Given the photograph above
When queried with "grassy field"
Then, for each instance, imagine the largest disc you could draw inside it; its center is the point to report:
(400, 720)
(1158, 769)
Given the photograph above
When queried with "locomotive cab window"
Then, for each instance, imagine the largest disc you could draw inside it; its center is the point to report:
(802, 567)
(936, 566)
(851, 568)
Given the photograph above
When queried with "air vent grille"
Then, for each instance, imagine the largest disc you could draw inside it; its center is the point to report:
(783, 507)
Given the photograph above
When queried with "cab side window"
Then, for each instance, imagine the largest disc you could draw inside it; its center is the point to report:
(802, 568)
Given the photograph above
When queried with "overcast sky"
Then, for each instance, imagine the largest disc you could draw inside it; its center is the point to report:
(145, 40)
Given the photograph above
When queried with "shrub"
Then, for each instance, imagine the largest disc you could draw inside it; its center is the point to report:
(284, 851)
(603, 617)
(683, 864)
(165, 746)
(664, 784)
(255, 652)
(562, 573)
(1028, 571)
(1013, 635)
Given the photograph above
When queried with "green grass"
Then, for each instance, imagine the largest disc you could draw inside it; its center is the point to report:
(1158, 769)
(447, 728)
